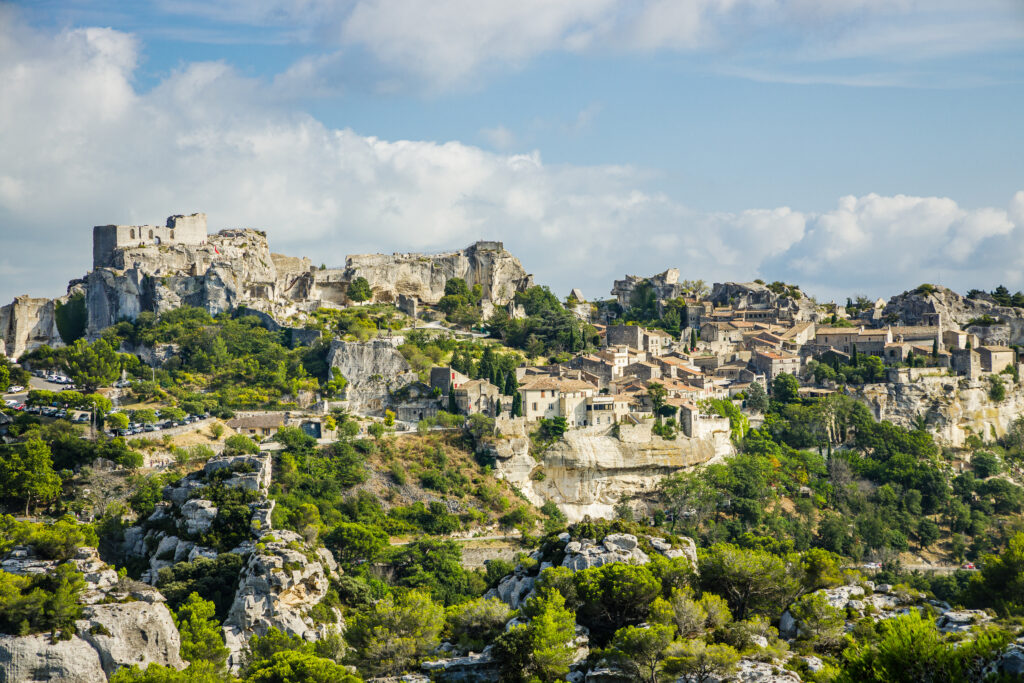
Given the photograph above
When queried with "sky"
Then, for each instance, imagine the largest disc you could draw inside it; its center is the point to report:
(853, 147)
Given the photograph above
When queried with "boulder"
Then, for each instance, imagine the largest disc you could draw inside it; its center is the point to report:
(31, 659)
(615, 548)
(959, 621)
(131, 633)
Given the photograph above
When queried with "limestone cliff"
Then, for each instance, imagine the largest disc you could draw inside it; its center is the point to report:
(27, 323)
(487, 264)
(232, 268)
(953, 407)
(587, 471)
(374, 369)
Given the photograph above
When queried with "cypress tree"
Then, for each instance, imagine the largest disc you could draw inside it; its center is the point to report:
(511, 385)
(935, 348)
(853, 356)
(453, 407)
(693, 339)
(517, 405)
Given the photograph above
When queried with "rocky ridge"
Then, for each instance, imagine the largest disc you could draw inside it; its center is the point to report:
(124, 623)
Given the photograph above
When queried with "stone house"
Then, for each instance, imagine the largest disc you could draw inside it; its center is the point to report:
(476, 396)
(264, 425)
(775, 363)
(643, 370)
(721, 332)
(698, 425)
(605, 410)
(549, 397)
(995, 359)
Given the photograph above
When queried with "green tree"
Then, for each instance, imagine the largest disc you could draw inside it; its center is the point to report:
(201, 639)
(71, 318)
(752, 581)
(615, 595)
(819, 623)
(202, 672)
(5, 376)
(786, 388)
(359, 289)
(27, 474)
(475, 624)
(354, 544)
(294, 666)
(92, 365)
(392, 633)
(694, 661)
(517, 405)
(239, 444)
(927, 532)
(910, 649)
(657, 394)
(640, 651)
(144, 416)
(757, 398)
(550, 634)
(693, 339)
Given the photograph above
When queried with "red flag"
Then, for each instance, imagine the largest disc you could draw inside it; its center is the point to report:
(215, 251)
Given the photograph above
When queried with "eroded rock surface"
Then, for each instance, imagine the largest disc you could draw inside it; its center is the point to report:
(374, 369)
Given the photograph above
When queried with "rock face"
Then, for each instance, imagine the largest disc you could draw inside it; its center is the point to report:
(953, 407)
(423, 276)
(588, 470)
(944, 307)
(122, 624)
(374, 369)
(232, 268)
(27, 323)
(28, 659)
(283, 577)
(278, 587)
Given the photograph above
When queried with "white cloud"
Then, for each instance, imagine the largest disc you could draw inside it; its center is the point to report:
(438, 44)
(82, 146)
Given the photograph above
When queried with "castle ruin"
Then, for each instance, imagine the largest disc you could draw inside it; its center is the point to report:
(107, 239)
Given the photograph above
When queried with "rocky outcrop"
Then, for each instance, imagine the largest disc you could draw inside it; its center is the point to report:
(587, 471)
(792, 304)
(123, 623)
(938, 305)
(279, 584)
(953, 407)
(283, 578)
(27, 323)
(374, 370)
(578, 555)
(232, 268)
(423, 276)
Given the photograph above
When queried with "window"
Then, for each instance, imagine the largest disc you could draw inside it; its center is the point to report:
(172, 234)
(542, 394)
(535, 405)
(132, 235)
(150, 234)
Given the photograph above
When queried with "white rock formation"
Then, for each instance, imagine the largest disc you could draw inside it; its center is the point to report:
(499, 273)
(373, 369)
(588, 471)
(120, 626)
(27, 323)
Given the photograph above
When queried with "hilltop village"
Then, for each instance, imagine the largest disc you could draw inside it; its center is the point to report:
(431, 467)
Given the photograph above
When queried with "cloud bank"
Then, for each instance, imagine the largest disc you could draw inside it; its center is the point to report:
(82, 145)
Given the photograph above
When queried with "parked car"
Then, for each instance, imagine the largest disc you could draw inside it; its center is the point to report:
(15, 389)
(968, 566)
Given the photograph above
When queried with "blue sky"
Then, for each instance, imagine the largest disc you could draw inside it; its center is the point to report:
(853, 146)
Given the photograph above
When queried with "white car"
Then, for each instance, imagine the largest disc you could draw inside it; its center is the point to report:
(17, 388)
